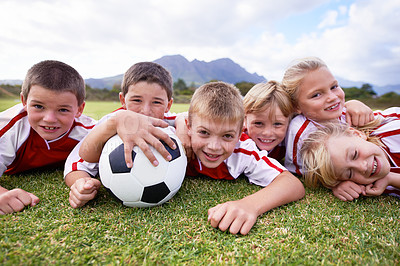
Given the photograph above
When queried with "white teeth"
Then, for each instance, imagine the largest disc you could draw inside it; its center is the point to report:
(50, 128)
(332, 107)
(374, 168)
(266, 140)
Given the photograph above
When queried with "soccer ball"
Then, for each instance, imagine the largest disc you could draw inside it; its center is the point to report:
(143, 185)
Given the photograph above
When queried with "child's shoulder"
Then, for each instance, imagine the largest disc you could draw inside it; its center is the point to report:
(13, 114)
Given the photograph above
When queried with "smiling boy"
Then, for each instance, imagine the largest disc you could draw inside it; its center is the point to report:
(43, 129)
(215, 124)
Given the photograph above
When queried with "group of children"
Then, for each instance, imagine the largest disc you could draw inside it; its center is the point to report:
(224, 134)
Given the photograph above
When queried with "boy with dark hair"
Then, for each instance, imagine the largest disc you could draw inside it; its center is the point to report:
(146, 97)
(43, 129)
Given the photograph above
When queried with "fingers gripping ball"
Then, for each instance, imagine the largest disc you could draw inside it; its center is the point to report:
(143, 185)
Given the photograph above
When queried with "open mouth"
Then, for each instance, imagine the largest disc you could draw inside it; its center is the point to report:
(50, 128)
(332, 107)
(266, 140)
(212, 157)
(374, 167)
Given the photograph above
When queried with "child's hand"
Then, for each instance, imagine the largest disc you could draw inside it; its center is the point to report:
(139, 130)
(83, 190)
(378, 187)
(15, 200)
(357, 113)
(182, 134)
(348, 190)
(235, 215)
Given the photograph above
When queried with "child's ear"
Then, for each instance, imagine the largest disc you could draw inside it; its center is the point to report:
(80, 110)
(358, 133)
(169, 105)
(23, 100)
(122, 100)
(188, 126)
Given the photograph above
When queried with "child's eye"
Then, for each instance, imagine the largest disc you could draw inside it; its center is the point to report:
(350, 174)
(259, 124)
(355, 155)
(334, 87)
(316, 95)
(203, 132)
(38, 106)
(278, 124)
(63, 110)
(157, 102)
(136, 100)
(229, 136)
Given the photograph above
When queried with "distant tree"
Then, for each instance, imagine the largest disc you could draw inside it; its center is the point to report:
(367, 90)
(180, 85)
(244, 87)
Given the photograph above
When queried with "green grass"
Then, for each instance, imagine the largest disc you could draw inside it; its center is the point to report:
(318, 229)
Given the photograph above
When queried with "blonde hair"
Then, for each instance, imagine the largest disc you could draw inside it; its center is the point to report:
(296, 72)
(317, 164)
(270, 94)
(217, 101)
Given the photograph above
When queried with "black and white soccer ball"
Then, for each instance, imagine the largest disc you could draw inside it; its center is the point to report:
(143, 185)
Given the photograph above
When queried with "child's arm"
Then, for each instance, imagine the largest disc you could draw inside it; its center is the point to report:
(357, 113)
(15, 200)
(134, 129)
(241, 215)
(83, 188)
(379, 186)
(348, 190)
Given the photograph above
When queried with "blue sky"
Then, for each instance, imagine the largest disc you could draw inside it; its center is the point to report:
(358, 39)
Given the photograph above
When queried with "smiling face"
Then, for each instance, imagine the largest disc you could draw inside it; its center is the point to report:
(213, 141)
(145, 98)
(267, 129)
(51, 113)
(357, 159)
(319, 97)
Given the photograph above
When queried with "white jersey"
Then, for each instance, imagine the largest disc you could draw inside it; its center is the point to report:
(76, 163)
(246, 159)
(300, 127)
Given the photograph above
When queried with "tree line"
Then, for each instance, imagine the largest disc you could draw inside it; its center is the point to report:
(183, 93)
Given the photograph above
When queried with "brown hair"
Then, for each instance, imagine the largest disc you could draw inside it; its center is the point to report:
(56, 76)
(149, 72)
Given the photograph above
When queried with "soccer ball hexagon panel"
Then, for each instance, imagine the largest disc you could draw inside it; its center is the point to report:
(143, 185)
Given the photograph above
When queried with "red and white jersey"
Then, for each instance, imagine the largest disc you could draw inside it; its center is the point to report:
(21, 148)
(246, 159)
(76, 163)
(389, 134)
(300, 127)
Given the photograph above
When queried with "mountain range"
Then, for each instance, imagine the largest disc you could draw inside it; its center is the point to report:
(198, 72)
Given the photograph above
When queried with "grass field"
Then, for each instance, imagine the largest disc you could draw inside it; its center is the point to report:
(318, 229)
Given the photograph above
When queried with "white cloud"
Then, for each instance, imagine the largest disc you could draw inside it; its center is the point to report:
(329, 19)
(103, 38)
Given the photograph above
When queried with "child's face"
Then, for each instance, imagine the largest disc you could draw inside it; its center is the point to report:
(51, 113)
(149, 99)
(213, 141)
(319, 97)
(357, 160)
(267, 133)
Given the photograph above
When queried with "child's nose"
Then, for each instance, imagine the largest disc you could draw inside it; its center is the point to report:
(214, 144)
(50, 116)
(146, 110)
